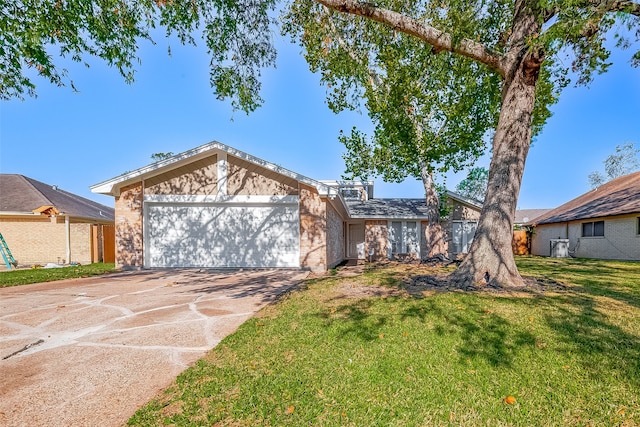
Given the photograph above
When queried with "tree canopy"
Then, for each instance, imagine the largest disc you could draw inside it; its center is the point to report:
(35, 34)
(475, 184)
(624, 161)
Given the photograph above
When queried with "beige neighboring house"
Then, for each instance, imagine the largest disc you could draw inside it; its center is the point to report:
(217, 207)
(602, 223)
(42, 223)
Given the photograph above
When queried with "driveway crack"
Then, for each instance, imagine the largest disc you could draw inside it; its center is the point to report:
(26, 347)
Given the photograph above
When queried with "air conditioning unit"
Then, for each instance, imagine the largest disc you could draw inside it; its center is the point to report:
(559, 248)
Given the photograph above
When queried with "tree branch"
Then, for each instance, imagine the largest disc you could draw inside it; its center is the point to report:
(436, 38)
(618, 6)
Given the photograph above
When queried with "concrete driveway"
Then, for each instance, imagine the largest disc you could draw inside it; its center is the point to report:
(89, 352)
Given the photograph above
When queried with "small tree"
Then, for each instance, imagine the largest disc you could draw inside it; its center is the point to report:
(156, 157)
(622, 162)
(474, 185)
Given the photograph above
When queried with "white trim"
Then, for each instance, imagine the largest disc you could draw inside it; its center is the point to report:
(112, 186)
(219, 199)
(222, 172)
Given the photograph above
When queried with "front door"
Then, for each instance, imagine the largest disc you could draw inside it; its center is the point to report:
(356, 241)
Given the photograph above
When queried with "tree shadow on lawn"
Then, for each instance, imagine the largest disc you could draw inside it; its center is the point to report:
(578, 327)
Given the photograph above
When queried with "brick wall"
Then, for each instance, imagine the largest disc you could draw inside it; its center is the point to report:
(35, 241)
(542, 236)
(620, 241)
(313, 230)
(128, 211)
(335, 237)
(42, 240)
(376, 237)
(80, 240)
(244, 178)
(199, 177)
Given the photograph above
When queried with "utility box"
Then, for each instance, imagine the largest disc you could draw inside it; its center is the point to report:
(559, 248)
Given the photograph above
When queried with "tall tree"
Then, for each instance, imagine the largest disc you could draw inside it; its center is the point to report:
(624, 161)
(475, 184)
(523, 42)
(418, 132)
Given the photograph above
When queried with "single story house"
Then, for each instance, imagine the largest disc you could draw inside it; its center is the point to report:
(216, 206)
(602, 223)
(42, 223)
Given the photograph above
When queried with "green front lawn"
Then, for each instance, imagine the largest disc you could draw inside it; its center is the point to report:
(360, 351)
(37, 275)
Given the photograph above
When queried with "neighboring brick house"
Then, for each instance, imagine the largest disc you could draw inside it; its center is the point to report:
(215, 206)
(42, 223)
(602, 223)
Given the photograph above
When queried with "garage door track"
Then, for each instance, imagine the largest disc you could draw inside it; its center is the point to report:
(89, 352)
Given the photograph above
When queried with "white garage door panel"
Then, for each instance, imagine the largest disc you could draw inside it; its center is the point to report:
(222, 236)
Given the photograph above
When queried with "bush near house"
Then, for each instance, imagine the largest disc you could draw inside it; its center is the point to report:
(382, 349)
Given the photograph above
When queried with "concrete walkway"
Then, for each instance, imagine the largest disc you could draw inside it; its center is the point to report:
(89, 352)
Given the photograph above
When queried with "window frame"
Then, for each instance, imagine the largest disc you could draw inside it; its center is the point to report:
(591, 230)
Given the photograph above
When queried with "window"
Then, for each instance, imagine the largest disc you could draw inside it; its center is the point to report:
(638, 226)
(462, 235)
(404, 237)
(593, 229)
(351, 194)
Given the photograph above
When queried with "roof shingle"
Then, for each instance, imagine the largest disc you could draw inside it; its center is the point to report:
(19, 193)
(618, 197)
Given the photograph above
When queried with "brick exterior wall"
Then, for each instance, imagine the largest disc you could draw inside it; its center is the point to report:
(200, 177)
(80, 242)
(128, 211)
(313, 230)
(335, 237)
(543, 234)
(42, 240)
(244, 178)
(621, 239)
(35, 241)
(376, 237)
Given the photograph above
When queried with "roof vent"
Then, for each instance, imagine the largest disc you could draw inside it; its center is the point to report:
(55, 187)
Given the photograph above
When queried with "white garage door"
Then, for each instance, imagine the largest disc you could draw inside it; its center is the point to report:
(222, 235)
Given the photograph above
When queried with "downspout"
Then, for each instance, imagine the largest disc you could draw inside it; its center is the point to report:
(67, 228)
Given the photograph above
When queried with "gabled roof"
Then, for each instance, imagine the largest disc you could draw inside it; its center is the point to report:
(618, 197)
(400, 208)
(113, 185)
(524, 216)
(22, 195)
(477, 204)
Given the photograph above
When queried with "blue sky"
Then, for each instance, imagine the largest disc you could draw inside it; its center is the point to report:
(75, 140)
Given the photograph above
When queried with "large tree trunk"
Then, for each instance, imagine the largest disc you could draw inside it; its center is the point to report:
(433, 233)
(490, 259)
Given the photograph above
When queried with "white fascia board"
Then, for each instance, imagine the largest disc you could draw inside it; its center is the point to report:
(220, 199)
(466, 200)
(111, 186)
